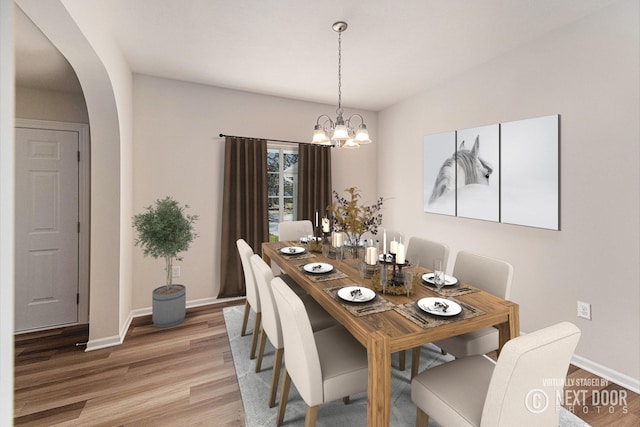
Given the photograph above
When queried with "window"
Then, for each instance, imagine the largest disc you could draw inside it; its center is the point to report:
(282, 184)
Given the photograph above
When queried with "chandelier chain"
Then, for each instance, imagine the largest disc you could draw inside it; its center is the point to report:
(339, 110)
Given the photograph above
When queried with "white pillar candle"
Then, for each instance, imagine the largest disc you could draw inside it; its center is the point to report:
(372, 255)
(393, 247)
(325, 225)
(316, 218)
(337, 240)
(400, 254)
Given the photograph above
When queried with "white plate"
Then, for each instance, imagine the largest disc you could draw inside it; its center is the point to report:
(318, 268)
(430, 306)
(309, 239)
(448, 280)
(350, 293)
(292, 250)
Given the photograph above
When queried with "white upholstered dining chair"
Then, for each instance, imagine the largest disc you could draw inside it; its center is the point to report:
(292, 230)
(492, 276)
(253, 300)
(271, 327)
(473, 391)
(324, 365)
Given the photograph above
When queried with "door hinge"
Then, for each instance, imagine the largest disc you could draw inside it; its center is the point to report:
(78, 299)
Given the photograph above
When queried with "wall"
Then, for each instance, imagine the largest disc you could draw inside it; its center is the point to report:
(588, 73)
(177, 151)
(55, 106)
(6, 210)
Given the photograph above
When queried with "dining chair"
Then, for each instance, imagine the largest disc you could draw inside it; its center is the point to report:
(489, 274)
(473, 391)
(253, 299)
(292, 230)
(422, 252)
(323, 365)
(271, 327)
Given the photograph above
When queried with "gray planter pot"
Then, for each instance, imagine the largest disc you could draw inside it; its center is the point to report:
(168, 308)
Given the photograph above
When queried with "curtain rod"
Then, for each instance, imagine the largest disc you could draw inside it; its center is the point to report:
(268, 139)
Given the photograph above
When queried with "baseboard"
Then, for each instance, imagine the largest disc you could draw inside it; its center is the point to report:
(608, 374)
(146, 311)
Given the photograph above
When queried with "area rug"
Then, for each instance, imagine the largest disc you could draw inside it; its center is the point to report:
(254, 388)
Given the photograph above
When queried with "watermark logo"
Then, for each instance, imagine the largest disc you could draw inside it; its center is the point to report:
(536, 401)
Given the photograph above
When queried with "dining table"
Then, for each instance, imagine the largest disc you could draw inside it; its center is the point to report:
(390, 323)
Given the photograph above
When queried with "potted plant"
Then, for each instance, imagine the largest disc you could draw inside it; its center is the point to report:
(163, 231)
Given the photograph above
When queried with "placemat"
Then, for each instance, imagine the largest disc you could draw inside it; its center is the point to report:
(452, 291)
(304, 255)
(333, 275)
(411, 311)
(378, 305)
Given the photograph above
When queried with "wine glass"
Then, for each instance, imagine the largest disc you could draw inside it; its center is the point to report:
(408, 279)
(438, 274)
(339, 255)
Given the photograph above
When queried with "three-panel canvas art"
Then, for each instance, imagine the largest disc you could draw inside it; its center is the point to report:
(506, 172)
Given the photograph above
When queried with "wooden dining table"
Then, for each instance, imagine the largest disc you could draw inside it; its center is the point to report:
(389, 331)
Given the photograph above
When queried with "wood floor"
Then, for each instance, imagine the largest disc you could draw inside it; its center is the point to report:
(184, 376)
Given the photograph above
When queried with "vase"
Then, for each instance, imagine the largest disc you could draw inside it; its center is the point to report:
(169, 307)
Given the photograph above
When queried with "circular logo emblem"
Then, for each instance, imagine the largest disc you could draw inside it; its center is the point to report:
(536, 401)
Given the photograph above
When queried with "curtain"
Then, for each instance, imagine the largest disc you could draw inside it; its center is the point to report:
(314, 181)
(244, 208)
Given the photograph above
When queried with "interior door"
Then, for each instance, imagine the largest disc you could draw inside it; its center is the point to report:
(46, 228)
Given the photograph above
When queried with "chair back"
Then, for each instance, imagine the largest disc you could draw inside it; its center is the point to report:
(490, 275)
(292, 230)
(424, 252)
(245, 252)
(270, 317)
(527, 382)
(301, 357)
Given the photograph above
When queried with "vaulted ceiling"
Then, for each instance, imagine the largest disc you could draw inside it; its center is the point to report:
(391, 50)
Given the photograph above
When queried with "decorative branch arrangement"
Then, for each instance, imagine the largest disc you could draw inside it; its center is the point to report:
(354, 219)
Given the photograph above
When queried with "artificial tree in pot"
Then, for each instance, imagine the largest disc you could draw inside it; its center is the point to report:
(163, 231)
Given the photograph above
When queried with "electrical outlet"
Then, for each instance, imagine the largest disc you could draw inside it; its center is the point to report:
(584, 310)
(175, 272)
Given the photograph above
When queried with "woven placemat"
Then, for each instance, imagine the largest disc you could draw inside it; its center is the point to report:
(411, 311)
(452, 291)
(377, 305)
(304, 255)
(335, 274)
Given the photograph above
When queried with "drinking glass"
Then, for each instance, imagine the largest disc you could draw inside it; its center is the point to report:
(408, 279)
(438, 274)
(339, 255)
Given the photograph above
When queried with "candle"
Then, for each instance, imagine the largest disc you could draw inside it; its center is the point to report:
(316, 218)
(400, 254)
(393, 247)
(337, 240)
(325, 225)
(384, 242)
(371, 257)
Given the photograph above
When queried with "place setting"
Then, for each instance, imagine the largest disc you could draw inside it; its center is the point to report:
(359, 300)
(296, 252)
(445, 284)
(322, 271)
(434, 311)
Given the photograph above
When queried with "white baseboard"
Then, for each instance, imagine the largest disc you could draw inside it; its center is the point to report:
(119, 339)
(608, 374)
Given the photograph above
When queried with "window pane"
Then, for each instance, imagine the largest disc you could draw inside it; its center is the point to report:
(289, 187)
(273, 160)
(272, 184)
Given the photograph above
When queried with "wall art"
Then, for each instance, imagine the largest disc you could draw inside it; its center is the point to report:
(439, 180)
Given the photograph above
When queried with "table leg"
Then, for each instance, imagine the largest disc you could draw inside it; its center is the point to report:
(379, 389)
(510, 329)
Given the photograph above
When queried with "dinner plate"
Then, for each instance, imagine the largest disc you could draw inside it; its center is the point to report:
(309, 239)
(292, 250)
(433, 305)
(318, 268)
(448, 280)
(356, 294)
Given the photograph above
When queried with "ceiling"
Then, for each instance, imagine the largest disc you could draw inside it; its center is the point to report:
(391, 50)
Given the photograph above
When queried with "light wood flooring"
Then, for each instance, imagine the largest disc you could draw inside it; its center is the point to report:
(180, 376)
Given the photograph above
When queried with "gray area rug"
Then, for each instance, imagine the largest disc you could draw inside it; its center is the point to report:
(254, 387)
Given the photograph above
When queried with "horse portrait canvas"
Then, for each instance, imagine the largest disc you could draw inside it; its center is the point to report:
(439, 173)
(530, 172)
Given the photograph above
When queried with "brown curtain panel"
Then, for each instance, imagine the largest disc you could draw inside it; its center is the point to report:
(244, 208)
(314, 181)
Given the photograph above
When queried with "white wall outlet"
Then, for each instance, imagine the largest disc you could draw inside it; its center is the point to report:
(175, 272)
(584, 310)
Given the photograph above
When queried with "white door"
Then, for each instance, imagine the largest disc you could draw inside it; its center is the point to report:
(46, 228)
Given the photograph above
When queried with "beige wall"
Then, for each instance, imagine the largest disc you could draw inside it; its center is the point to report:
(177, 151)
(55, 106)
(588, 73)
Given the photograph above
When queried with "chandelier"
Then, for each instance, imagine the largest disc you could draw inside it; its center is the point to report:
(343, 132)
